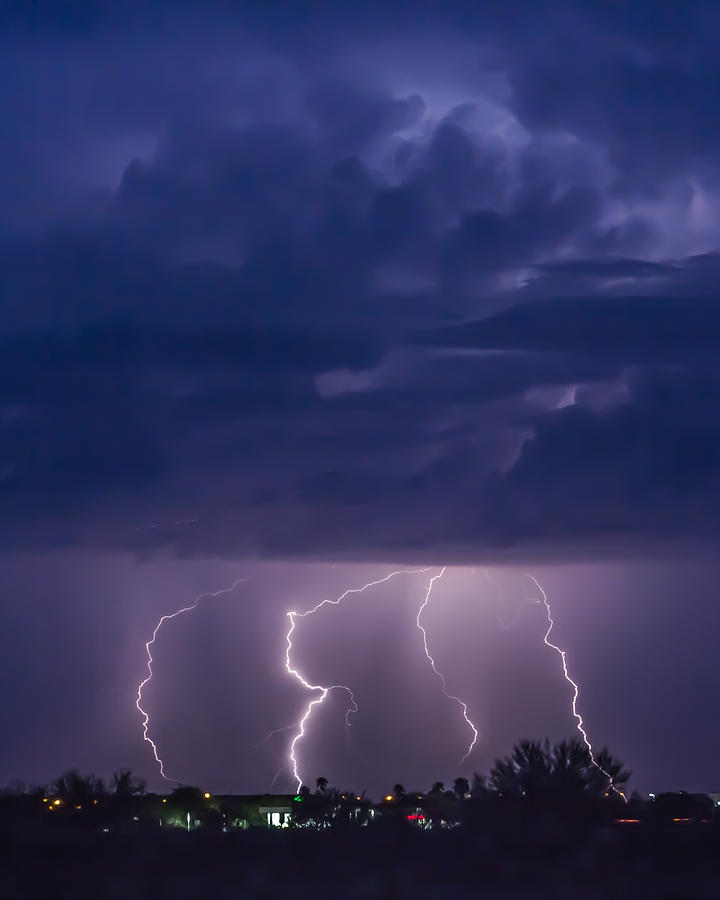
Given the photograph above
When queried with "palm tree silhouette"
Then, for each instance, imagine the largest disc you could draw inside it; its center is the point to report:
(126, 785)
(461, 787)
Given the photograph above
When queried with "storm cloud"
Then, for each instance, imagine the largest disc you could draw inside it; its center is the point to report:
(329, 287)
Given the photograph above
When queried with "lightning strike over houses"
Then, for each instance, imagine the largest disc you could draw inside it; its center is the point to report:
(460, 703)
(146, 715)
(573, 684)
(323, 690)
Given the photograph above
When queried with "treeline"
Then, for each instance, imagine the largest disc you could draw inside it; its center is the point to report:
(551, 785)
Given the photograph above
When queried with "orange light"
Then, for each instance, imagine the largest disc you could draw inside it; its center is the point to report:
(207, 796)
(57, 802)
(682, 820)
(78, 807)
(388, 797)
(625, 821)
(94, 802)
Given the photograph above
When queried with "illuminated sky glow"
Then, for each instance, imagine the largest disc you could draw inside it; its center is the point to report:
(314, 291)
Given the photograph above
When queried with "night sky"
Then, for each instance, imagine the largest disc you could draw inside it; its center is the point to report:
(306, 292)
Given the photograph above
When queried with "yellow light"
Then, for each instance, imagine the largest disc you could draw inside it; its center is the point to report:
(94, 802)
(389, 797)
(207, 796)
(78, 807)
(45, 799)
(57, 802)
(164, 799)
(358, 798)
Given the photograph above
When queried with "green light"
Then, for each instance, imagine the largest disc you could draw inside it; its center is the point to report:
(298, 799)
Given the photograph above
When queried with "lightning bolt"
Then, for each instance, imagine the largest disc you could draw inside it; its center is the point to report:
(323, 690)
(460, 703)
(145, 715)
(574, 685)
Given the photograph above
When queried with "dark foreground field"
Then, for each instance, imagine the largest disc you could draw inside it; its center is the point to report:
(674, 862)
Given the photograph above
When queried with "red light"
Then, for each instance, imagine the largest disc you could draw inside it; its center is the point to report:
(682, 820)
(418, 818)
(625, 821)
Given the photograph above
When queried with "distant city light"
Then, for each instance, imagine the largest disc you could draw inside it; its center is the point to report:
(207, 796)
(388, 797)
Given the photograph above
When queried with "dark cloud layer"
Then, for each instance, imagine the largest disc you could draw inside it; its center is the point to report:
(326, 285)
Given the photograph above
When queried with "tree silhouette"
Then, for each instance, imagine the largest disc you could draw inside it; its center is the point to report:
(78, 790)
(126, 785)
(536, 770)
(188, 800)
(479, 786)
(399, 792)
(619, 775)
(461, 787)
(322, 784)
(437, 788)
